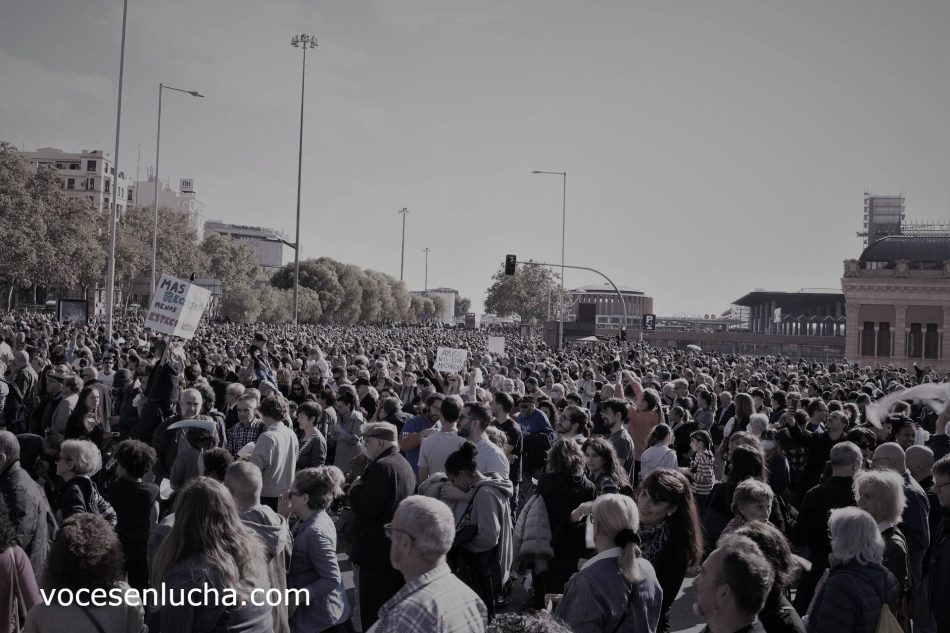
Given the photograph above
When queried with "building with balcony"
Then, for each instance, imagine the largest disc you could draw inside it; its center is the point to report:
(88, 175)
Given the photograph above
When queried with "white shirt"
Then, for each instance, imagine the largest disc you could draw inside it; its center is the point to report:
(613, 552)
(490, 458)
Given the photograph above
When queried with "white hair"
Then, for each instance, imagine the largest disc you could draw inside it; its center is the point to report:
(889, 488)
(855, 537)
(758, 423)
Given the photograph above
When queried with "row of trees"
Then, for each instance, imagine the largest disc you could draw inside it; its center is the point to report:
(52, 243)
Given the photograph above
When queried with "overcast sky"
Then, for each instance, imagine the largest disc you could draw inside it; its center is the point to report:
(711, 147)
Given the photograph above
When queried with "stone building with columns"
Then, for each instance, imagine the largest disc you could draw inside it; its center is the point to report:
(897, 302)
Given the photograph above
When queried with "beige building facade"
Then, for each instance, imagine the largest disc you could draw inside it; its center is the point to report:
(897, 302)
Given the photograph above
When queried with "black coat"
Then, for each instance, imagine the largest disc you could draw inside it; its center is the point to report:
(80, 494)
(313, 454)
(387, 480)
(30, 513)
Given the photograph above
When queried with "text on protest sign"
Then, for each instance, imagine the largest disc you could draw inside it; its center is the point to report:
(450, 359)
(496, 344)
(177, 307)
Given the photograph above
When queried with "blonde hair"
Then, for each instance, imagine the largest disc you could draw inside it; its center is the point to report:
(86, 458)
(751, 491)
(889, 487)
(613, 513)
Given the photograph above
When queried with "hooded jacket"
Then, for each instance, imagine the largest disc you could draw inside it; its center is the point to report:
(272, 529)
(490, 510)
(532, 536)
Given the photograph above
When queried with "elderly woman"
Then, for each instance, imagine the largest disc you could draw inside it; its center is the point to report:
(85, 555)
(483, 539)
(616, 589)
(880, 493)
(78, 461)
(314, 567)
(858, 585)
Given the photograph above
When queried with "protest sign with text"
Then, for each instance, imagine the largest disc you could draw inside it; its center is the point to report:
(177, 307)
(450, 359)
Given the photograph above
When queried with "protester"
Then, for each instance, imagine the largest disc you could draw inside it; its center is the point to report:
(658, 453)
(27, 503)
(78, 461)
(85, 555)
(670, 532)
(136, 506)
(433, 599)
(18, 589)
(603, 468)
(313, 445)
(314, 566)
(374, 497)
(209, 546)
(858, 585)
(275, 451)
(617, 587)
(733, 584)
(482, 547)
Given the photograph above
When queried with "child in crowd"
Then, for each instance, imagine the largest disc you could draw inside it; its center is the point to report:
(702, 467)
(752, 501)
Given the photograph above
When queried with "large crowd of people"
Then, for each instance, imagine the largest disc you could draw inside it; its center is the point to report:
(252, 461)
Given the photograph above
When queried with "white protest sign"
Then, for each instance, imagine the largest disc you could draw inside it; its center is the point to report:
(177, 307)
(450, 359)
(496, 344)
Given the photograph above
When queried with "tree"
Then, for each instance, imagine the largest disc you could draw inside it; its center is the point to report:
(22, 222)
(228, 260)
(241, 304)
(525, 294)
(462, 304)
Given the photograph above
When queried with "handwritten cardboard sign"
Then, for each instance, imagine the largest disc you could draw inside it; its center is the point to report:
(450, 359)
(177, 307)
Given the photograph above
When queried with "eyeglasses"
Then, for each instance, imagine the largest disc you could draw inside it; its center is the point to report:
(939, 487)
(388, 530)
(295, 493)
(64, 459)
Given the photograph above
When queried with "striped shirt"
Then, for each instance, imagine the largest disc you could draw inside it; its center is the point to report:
(704, 472)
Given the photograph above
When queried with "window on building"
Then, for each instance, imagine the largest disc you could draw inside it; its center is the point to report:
(867, 339)
(70, 183)
(107, 185)
(931, 341)
(915, 341)
(884, 339)
(74, 165)
(90, 165)
(59, 165)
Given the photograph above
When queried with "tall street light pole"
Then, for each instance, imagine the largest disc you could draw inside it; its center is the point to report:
(560, 303)
(427, 250)
(402, 258)
(305, 41)
(158, 145)
(110, 275)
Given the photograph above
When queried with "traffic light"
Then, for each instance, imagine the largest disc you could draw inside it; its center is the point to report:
(510, 262)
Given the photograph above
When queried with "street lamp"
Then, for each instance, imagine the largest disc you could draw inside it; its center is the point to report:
(158, 144)
(560, 310)
(427, 250)
(110, 274)
(402, 258)
(302, 41)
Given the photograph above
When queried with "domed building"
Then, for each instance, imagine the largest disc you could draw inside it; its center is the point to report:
(897, 301)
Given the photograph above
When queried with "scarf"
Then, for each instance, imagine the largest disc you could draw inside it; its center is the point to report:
(653, 540)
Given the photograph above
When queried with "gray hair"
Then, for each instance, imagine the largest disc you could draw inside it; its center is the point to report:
(86, 458)
(433, 525)
(889, 487)
(845, 454)
(855, 537)
(758, 421)
(9, 446)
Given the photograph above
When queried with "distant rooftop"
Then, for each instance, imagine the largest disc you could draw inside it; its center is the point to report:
(608, 288)
(913, 248)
